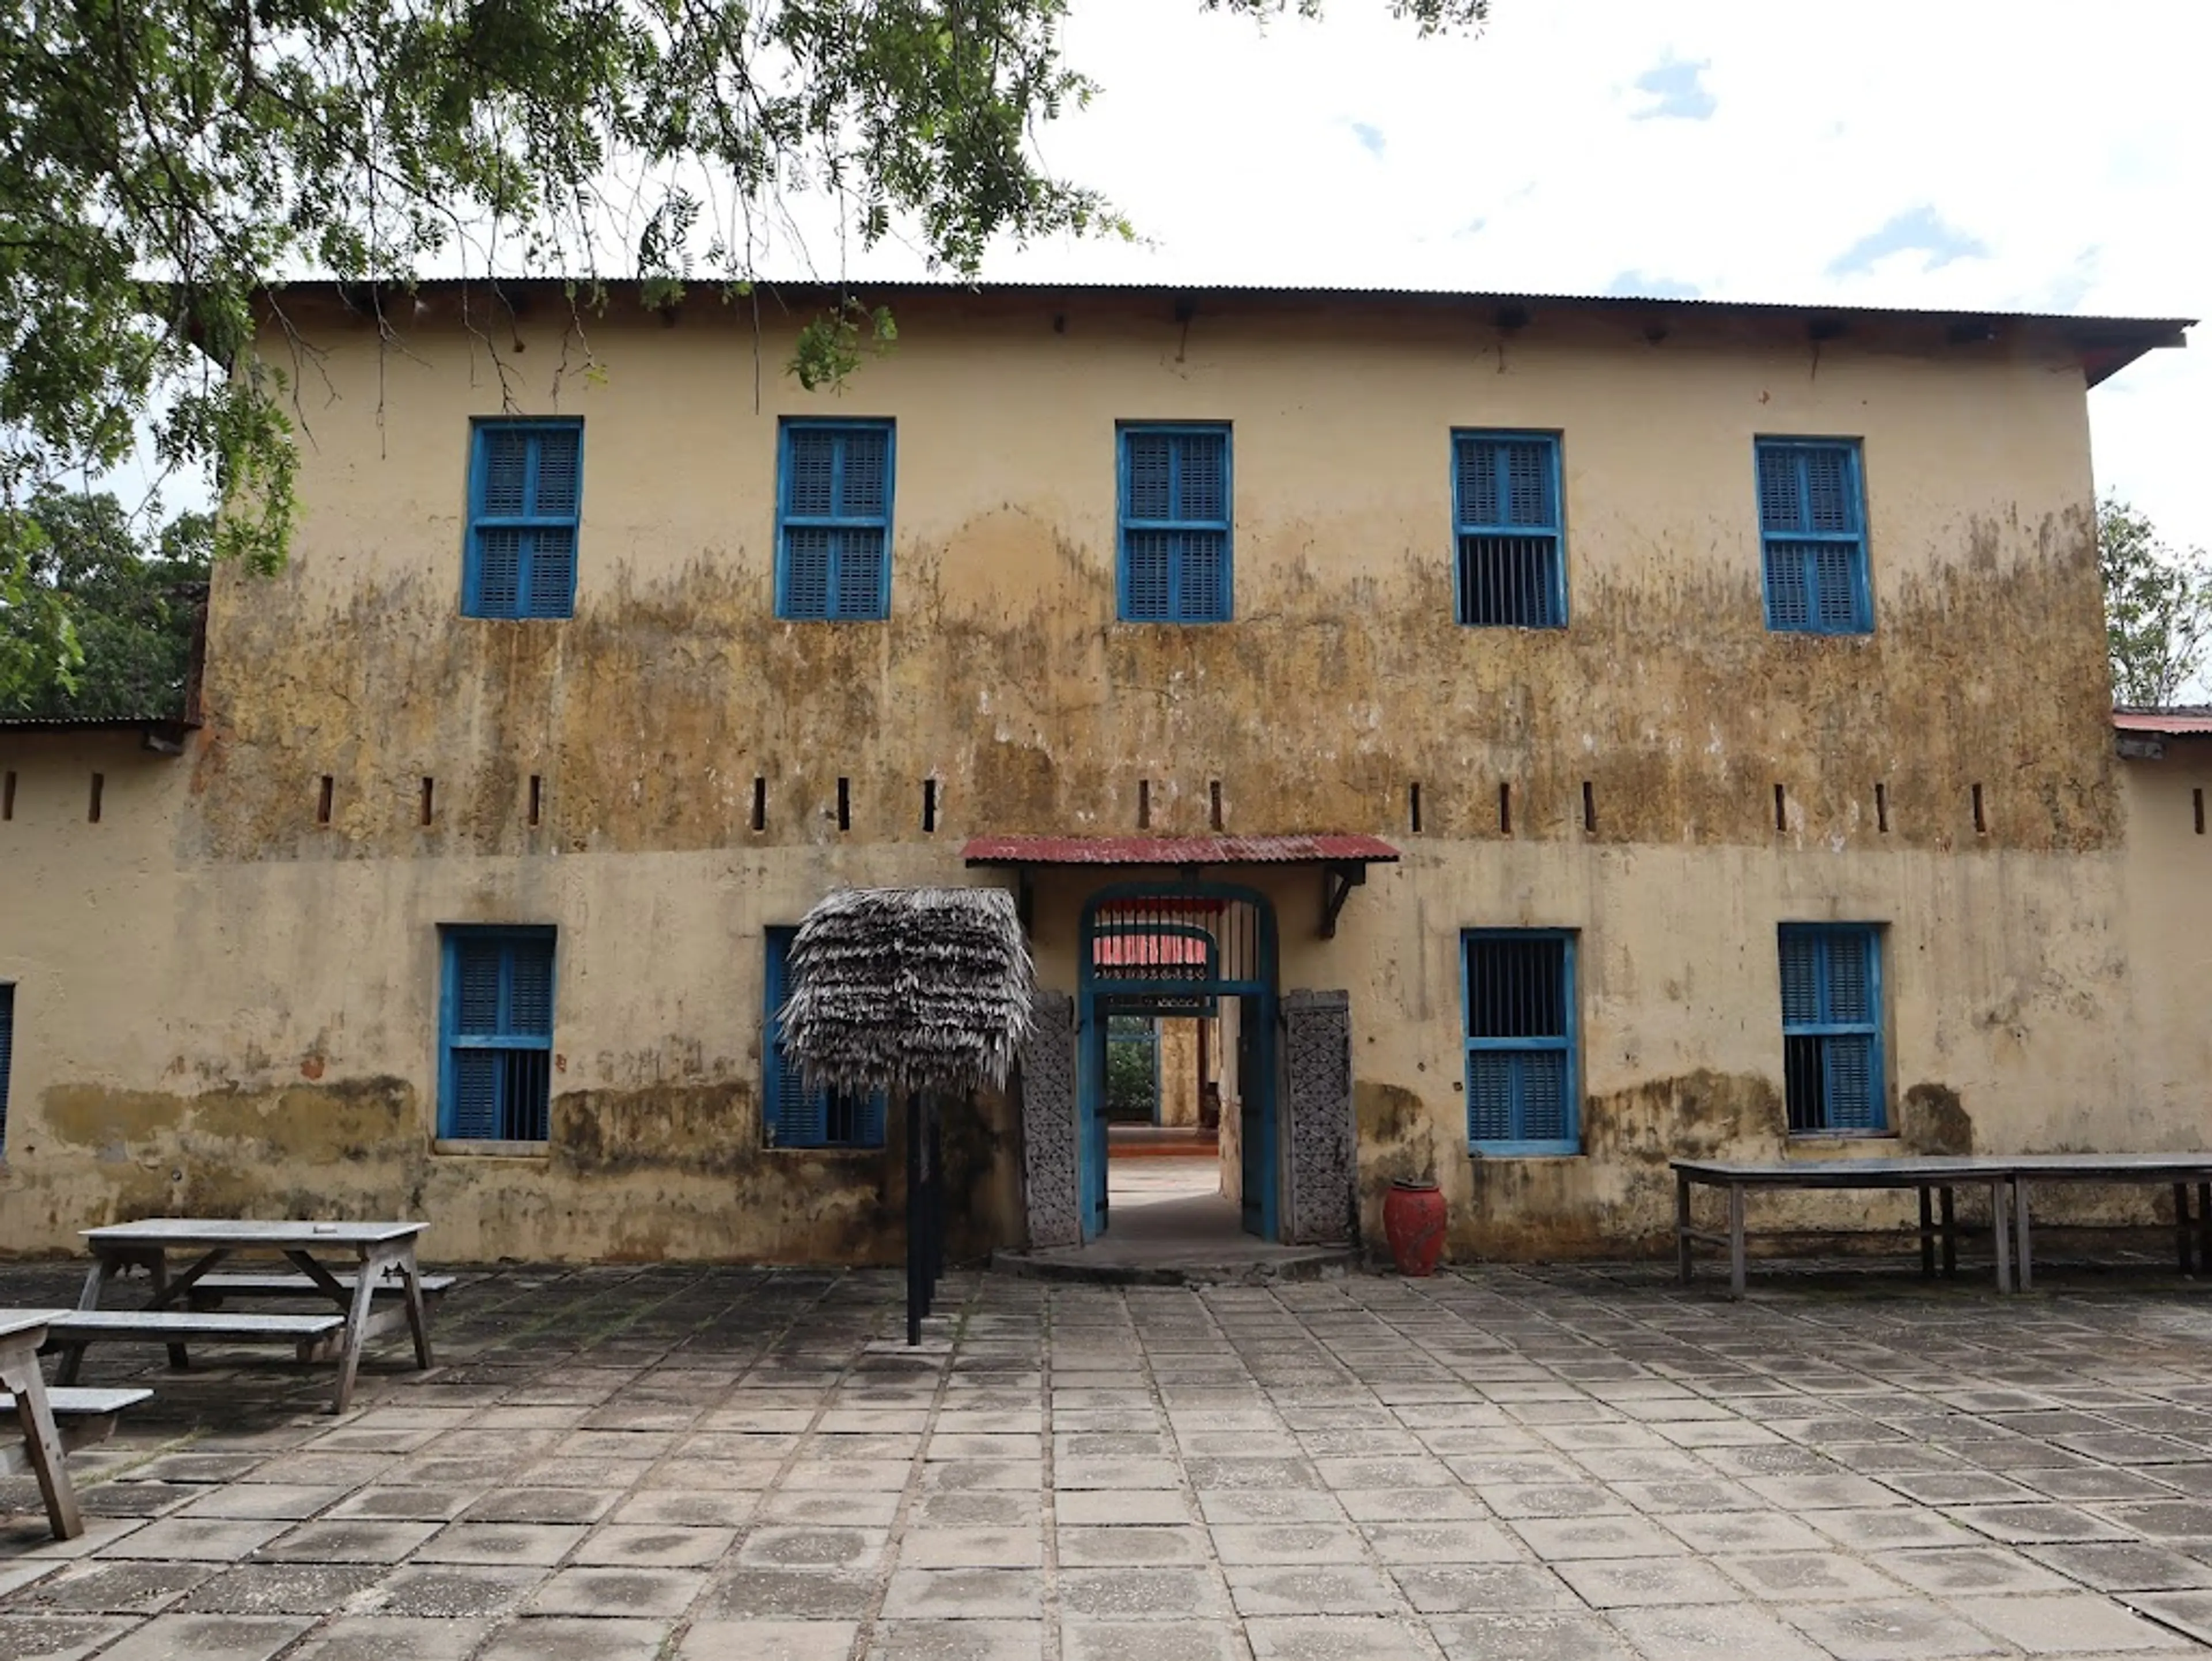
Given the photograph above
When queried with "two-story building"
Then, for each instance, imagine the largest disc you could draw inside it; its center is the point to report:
(1670, 727)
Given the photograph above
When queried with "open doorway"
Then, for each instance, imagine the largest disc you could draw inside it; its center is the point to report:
(1177, 1107)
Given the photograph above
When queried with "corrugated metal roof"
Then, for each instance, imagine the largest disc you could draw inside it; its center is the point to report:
(2183, 721)
(1288, 850)
(94, 723)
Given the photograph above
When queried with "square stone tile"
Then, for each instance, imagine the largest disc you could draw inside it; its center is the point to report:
(556, 1637)
(541, 1504)
(1124, 1547)
(264, 1502)
(634, 1592)
(404, 1504)
(779, 1546)
(965, 1594)
(769, 1640)
(458, 1591)
(1417, 1544)
(1240, 1544)
(1124, 1507)
(1503, 1635)
(209, 1638)
(1558, 1539)
(675, 1507)
(769, 1594)
(1313, 1590)
(282, 1589)
(2124, 1565)
(1743, 1531)
(536, 1543)
(1459, 1588)
(2016, 1524)
(1888, 1629)
(195, 1540)
(1413, 1504)
(1606, 1583)
(107, 1588)
(1150, 1640)
(1989, 1569)
(857, 1510)
(1806, 1576)
(958, 1640)
(393, 1638)
(1713, 1631)
(1151, 1592)
(2068, 1623)
(349, 1543)
(1339, 1638)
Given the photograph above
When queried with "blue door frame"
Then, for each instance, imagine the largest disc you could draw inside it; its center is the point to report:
(1099, 996)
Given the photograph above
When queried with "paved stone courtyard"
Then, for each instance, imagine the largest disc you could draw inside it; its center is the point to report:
(1526, 1465)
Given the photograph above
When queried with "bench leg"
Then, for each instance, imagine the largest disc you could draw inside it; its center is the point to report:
(1736, 1240)
(42, 1443)
(158, 1264)
(71, 1363)
(418, 1314)
(1997, 1228)
(356, 1332)
(1682, 1226)
(1950, 1235)
(1927, 1234)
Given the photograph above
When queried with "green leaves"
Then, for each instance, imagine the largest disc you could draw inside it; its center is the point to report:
(2157, 607)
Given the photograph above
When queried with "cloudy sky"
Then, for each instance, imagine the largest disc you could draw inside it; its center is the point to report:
(1993, 154)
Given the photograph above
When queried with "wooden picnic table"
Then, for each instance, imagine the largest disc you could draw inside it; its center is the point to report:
(1932, 1175)
(2182, 1170)
(22, 1332)
(369, 1250)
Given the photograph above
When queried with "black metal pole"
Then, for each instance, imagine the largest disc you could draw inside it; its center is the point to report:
(917, 1248)
(936, 1183)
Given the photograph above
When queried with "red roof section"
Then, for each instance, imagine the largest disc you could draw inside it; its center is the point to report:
(1298, 849)
(2168, 722)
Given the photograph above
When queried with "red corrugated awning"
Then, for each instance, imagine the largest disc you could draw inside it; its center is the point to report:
(1293, 850)
(2191, 723)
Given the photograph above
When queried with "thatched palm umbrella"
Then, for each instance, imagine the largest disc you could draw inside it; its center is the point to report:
(922, 991)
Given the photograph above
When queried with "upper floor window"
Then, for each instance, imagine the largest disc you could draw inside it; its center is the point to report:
(525, 491)
(1175, 506)
(793, 1116)
(1812, 527)
(833, 530)
(1510, 569)
(496, 1029)
(1522, 1071)
(1832, 1027)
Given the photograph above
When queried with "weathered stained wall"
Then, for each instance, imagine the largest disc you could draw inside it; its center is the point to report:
(228, 1006)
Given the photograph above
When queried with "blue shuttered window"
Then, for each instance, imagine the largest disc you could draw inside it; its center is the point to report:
(1831, 1028)
(1812, 526)
(833, 528)
(1509, 565)
(1176, 509)
(7, 1053)
(497, 1024)
(526, 493)
(1522, 1072)
(791, 1115)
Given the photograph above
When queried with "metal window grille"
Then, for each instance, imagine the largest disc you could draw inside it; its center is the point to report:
(1510, 572)
(1812, 522)
(1522, 1071)
(1831, 1061)
(526, 497)
(834, 522)
(1175, 520)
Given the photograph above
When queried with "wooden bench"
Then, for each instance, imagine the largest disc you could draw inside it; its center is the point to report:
(72, 1333)
(209, 1291)
(82, 1416)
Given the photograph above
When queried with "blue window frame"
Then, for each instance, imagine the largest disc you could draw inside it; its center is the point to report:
(526, 493)
(1522, 1070)
(1812, 527)
(7, 1053)
(791, 1115)
(1832, 1059)
(1176, 502)
(1510, 558)
(496, 1024)
(833, 527)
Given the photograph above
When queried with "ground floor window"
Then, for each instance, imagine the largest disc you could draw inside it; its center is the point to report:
(791, 1115)
(496, 1029)
(1522, 1076)
(1832, 1027)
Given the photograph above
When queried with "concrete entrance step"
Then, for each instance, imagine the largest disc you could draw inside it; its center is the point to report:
(1144, 1264)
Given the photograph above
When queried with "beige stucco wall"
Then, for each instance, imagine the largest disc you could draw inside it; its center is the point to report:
(2169, 932)
(223, 1005)
(1179, 1072)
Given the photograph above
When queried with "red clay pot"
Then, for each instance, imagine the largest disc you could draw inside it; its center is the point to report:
(1413, 1220)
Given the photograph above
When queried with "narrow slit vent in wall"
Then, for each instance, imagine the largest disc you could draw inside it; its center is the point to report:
(1882, 808)
(1590, 807)
(1144, 805)
(1781, 809)
(1505, 809)
(929, 807)
(2198, 796)
(324, 793)
(760, 803)
(1214, 795)
(1414, 808)
(92, 808)
(8, 796)
(844, 804)
(429, 798)
(1981, 820)
(536, 797)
